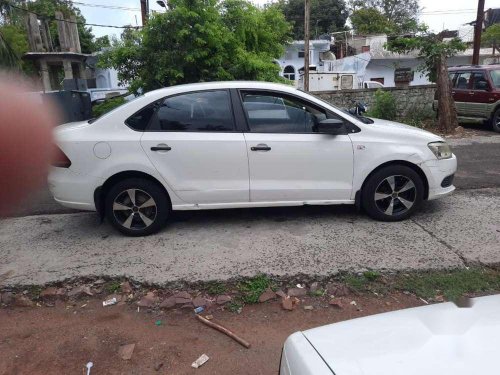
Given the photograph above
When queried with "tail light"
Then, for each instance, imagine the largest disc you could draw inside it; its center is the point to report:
(59, 159)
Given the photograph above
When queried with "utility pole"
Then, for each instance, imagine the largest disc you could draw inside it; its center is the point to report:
(306, 44)
(478, 28)
(144, 11)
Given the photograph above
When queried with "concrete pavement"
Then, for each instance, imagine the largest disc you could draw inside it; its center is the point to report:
(457, 231)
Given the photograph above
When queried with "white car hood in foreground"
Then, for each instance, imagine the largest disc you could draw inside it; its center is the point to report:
(436, 339)
(396, 128)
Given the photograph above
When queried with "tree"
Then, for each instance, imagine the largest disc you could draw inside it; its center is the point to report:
(370, 21)
(101, 43)
(201, 40)
(491, 37)
(434, 52)
(401, 14)
(326, 16)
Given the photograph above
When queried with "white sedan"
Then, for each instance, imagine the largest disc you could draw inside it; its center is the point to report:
(242, 144)
(440, 339)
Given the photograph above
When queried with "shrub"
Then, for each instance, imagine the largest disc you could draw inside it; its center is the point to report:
(419, 117)
(106, 106)
(384, 106)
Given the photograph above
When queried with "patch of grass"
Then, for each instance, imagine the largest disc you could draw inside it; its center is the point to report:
(215, 287)
(234, 306)
(356, 282)
(371, 275)
(318, 293)
(113, 287)
(253, 288)
(34, 291)
(451, 284)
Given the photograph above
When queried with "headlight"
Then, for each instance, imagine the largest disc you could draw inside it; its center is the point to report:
(441, 149)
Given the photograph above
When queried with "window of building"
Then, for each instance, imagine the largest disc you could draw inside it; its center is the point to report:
(289, 72)
(195, 112)
(280, 113)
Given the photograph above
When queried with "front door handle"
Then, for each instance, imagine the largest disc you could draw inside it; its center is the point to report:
(161, 147)
(261, 147)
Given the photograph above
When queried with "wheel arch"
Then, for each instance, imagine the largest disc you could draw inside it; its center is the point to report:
(101, 192)
(406, 163)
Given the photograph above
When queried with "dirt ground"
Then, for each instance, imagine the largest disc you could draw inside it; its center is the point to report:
(63, 338)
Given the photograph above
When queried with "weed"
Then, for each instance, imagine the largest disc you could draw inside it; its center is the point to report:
(371, 275)
(451, 284)
(215, 287)
(384, 106)
(234, 306)
(318, 293)
(355, 282)
(113, 287)
(253, 288)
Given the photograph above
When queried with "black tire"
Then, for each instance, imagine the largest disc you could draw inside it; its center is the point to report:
(495, 121)
(141, 219)
(381, 182)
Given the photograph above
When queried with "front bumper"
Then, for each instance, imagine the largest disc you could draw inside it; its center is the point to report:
(72, 189)
(437, 171)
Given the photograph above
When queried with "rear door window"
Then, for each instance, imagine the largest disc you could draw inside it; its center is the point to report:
(204, 111)
(462, 80)
(479, 81)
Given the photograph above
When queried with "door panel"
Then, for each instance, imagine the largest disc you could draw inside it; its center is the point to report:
(461, 93)
(288, 159)
(192, 143)
(300, 167)
(480, 96)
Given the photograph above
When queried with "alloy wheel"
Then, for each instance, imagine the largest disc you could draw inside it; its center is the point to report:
(395, 195)
(134, 209)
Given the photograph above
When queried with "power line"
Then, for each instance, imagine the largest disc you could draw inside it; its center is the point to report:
(114, 7)
(76, 22)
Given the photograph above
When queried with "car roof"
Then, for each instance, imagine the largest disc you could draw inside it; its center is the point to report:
(474, 67)
(222, 85)
(434, 339)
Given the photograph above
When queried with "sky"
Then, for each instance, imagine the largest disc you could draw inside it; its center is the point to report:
(438, 14)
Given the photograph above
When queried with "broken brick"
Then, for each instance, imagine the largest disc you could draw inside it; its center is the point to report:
(221, 300)
(267, 295)
(297, 292)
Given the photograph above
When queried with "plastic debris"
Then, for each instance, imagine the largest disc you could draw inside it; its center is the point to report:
(199, 310)
(209, 317)
(200, 361)
(158, 323)
(308, 308)
(89, 366)
(109, 302)
(301, 286)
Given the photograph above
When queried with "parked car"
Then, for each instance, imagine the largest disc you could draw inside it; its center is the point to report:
(440, 339)
(372, 85)
(242, 144)
(476, 91)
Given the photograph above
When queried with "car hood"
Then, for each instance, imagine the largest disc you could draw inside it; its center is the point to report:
(435, 339)
(396, 129)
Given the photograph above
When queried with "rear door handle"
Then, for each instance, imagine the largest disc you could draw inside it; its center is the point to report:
(161, 148)
(261, 147)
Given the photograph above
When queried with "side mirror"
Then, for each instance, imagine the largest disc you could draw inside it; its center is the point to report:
(331, 126)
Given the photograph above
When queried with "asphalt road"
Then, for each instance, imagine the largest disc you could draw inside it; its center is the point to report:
(457, 231)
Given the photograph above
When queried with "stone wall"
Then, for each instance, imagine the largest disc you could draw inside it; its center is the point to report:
(410, 99)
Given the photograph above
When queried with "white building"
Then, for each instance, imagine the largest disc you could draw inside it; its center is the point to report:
(293, 60)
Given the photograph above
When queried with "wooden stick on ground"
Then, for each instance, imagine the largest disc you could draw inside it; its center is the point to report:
(224, 330)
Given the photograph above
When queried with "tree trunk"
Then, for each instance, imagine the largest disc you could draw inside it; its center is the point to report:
(447, 115)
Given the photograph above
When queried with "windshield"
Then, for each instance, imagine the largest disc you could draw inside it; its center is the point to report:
(495, 77)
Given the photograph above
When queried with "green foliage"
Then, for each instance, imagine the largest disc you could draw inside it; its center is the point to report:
(492, 35)
(389, 16)
(383, 106)
(113, 287)
(429, 47)
(215, 287)
(199, 41)
(101, 43)
(370, 21)
(451, 284)
(234, 306)
(326, 16)
(371, 275)
(106, 106)
(253, 288)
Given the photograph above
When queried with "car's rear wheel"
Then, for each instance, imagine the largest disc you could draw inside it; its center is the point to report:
(393, 193)
(495, 121)
(137, 207)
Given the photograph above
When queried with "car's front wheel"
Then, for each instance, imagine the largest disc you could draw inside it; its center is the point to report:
(495, 121)
(392, 193)
(137, 207)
